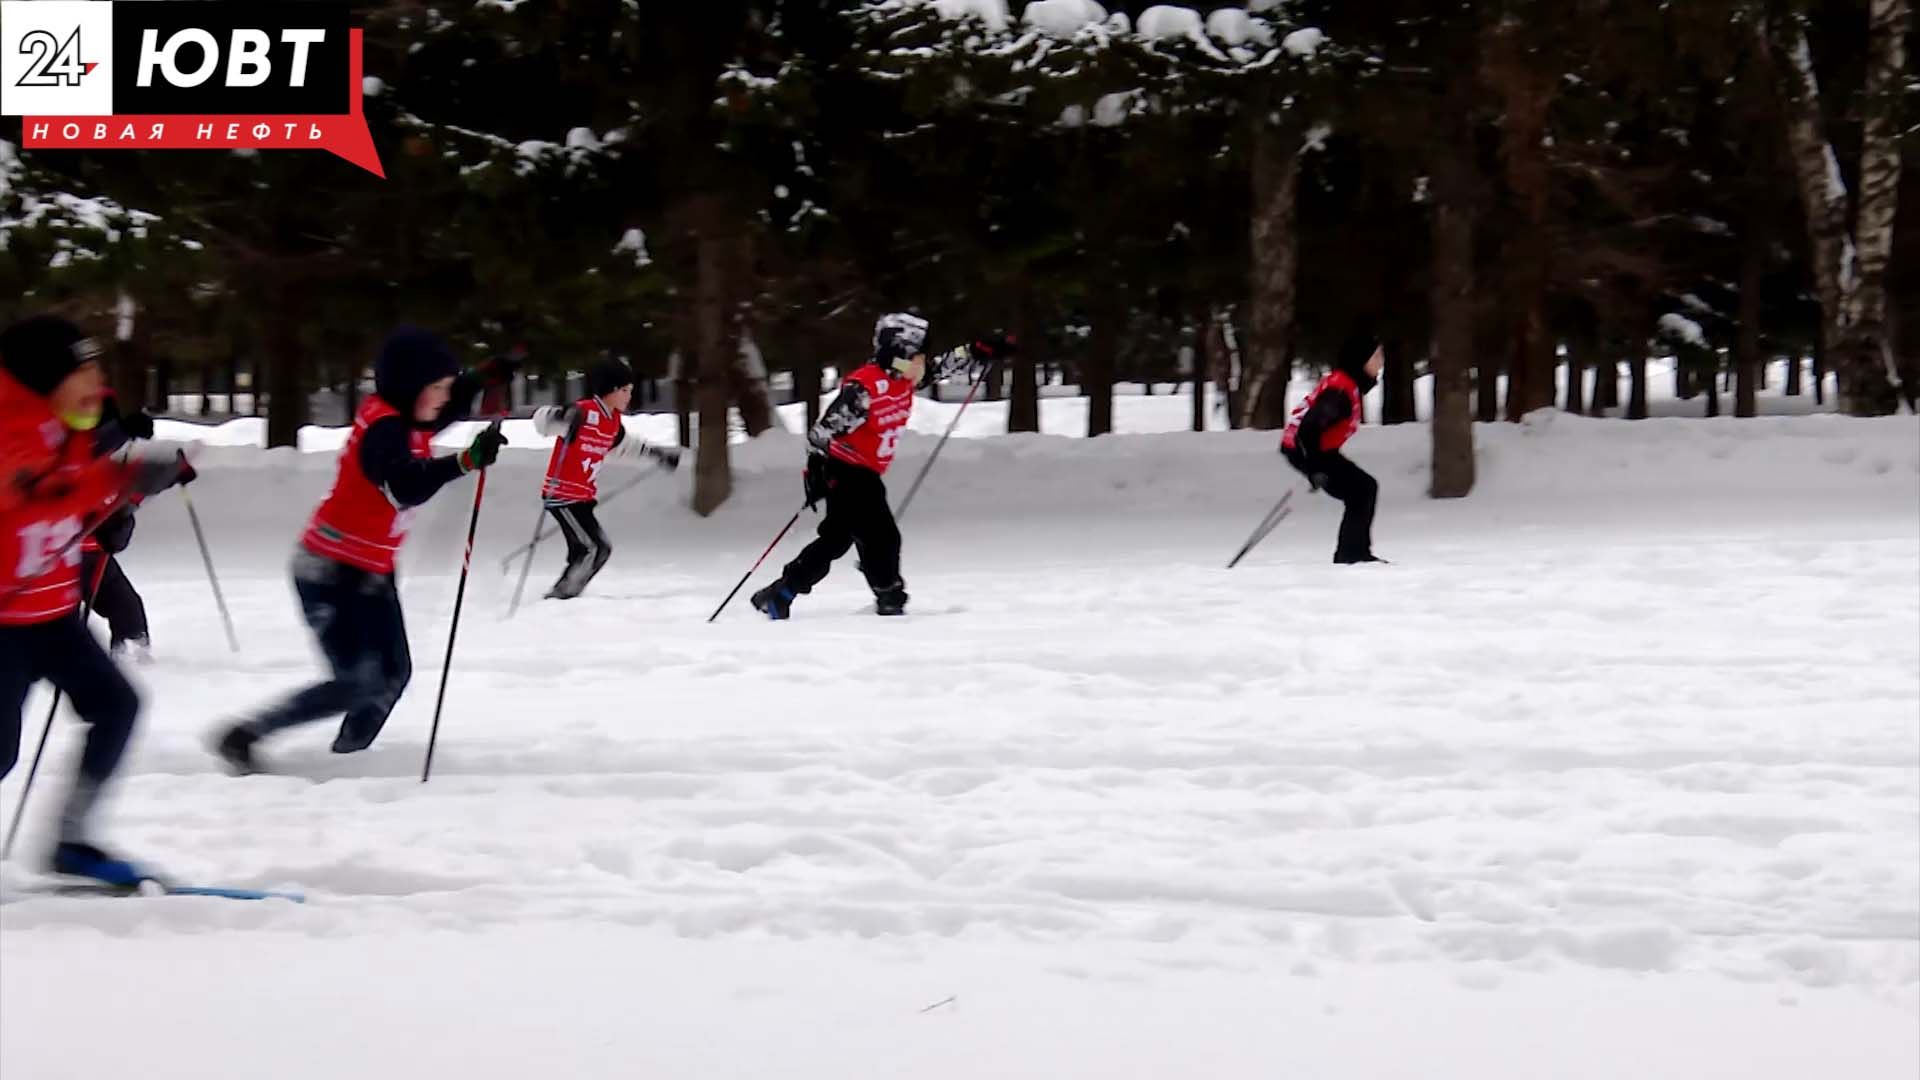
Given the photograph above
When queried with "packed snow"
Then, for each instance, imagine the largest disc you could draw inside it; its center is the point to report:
(1614, 772)
(1063, 18)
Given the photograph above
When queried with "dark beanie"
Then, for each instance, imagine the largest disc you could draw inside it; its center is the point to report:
(409, 360)
(41, 351)
(606, 376)
(1355, 351)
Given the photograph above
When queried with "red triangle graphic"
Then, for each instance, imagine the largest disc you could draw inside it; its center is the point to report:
(91, 66)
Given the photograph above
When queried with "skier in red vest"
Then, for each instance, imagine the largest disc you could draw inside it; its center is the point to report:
(590, 432)
(850, 449)
(343, 569)
(1321, 424)
(54, 491)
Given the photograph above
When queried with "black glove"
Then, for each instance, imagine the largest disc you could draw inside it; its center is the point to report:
(667, 457)
(815, 478)
(1316, 481)
(484, 450)
(137, 425)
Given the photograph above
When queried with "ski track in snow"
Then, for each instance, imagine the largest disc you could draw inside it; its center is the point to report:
(1535, 755)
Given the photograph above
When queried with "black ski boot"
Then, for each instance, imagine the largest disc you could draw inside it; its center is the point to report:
(235, 747)
(775, 601)
(1353, 560)
(890, 601)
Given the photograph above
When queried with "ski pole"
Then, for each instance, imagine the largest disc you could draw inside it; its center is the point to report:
(907, 499)
(539, 524)
(46, 730)
(756, 565)
(453, 632)
(206, 556)
(1267, 524)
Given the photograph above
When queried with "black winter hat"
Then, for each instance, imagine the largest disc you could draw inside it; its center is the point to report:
(1355, 351)
(42, 350)
(409, 360)
(606, 376)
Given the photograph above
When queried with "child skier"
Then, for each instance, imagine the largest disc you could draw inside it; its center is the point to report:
(343, 569)
(590, 432)
(54, 489)
(106, 591)
(1321, 424)
(849, 451)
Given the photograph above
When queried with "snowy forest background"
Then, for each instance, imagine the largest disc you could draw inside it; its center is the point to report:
(1528, 197)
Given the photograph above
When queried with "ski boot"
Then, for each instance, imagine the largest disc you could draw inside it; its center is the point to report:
(890, 601)
(235, 747)
(76, 859)
(775, 601)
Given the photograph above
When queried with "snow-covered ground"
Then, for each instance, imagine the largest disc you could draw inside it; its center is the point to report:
(1614, 773)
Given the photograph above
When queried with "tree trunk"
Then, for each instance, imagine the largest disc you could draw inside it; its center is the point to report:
(1580, 353)
(718, 348)
(1510, 65)
(1819, 369)
(1606, 383)
(1274, 273)
(286, 366)
(1023, 411)
(806, 378)
(1096, 375)
(1486, 386)
(1452, 288)
(1747, 360)
(1396, 386)
(1707, 361)
(1850, 266)
(1792, 387)
(163, 382)
(1637, 384)
(747, 377)
(206, 388)
(233, 380)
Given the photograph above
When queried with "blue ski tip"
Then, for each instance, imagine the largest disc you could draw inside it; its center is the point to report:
(235, 894)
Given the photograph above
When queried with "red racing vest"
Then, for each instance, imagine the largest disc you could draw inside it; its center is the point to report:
(889, 403)
(358, 524)
(1338, 382)
(573, 472)
(40, 531)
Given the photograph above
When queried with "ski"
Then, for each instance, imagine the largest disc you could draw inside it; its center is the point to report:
(155, 888)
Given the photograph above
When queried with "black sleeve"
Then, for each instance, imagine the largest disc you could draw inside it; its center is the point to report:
(387, 459)
(116, 532)
(1328, 410)
(619, 436)
(847, 412)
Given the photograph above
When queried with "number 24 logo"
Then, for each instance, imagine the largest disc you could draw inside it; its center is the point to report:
(55, 63)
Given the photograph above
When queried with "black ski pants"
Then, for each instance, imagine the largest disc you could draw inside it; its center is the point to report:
(355, 614)
(1353, 486)
(114, 597)
(857, 517)
(588, 548)
(64, 653)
